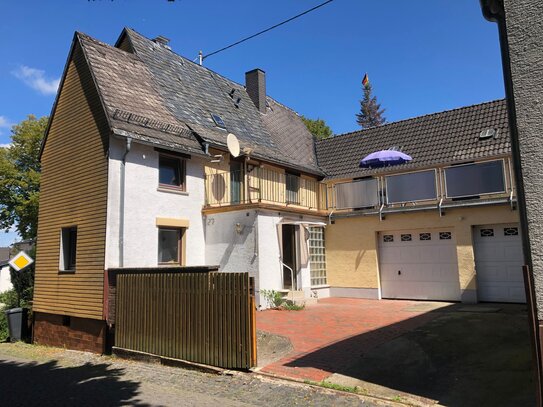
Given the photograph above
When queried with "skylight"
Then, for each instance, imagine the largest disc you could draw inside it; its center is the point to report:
(218, 121)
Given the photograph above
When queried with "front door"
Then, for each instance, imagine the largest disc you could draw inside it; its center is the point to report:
(289, 256)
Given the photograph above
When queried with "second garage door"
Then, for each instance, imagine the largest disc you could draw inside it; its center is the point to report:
(419, 264)
(498, 261)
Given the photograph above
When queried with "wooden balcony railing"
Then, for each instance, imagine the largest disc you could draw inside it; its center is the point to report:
(263, 185)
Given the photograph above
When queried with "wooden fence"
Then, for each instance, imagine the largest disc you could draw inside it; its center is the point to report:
(200, 317)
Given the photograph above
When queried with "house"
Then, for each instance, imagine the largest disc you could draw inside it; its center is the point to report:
(442, 226)
(151, 160)
(5, 278)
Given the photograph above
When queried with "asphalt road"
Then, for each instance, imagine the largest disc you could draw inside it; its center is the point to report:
(29, 377)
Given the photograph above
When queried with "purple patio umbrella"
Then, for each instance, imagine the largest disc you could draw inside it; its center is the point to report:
(383, 158)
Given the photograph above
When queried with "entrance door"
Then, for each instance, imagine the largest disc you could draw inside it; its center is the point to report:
(419, 264)
(498, 262)
(289, 256)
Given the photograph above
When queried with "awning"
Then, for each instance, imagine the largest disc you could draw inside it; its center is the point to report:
(303, 236)
(300, 222)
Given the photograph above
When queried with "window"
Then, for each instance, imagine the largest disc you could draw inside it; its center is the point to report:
(293, 185)
(425, 236)
(406, 237)
(68, 248)
(445, 235)
(171, 172)
(170, 245)
(219, 122)
(510, 231)
(388, 238)
(487, 232)
(317, 256)
(475, 179)
(416, 186)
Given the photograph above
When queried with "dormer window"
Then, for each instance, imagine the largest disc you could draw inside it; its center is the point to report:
(219, 122)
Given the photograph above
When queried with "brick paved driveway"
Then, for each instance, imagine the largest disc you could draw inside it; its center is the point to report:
(355, 325)
(423, 352)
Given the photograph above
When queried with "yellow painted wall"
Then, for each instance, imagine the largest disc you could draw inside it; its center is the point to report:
(351, 243)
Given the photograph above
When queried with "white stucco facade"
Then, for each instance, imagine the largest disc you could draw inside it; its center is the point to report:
(5, 279)
(236, 241)
(249, 241)
(145, 202)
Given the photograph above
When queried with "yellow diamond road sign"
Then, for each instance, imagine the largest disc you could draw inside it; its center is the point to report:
(21, 261)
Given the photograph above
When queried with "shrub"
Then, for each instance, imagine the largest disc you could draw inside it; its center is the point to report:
(273, 298)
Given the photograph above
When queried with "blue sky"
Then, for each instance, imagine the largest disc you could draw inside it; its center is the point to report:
(421, 56)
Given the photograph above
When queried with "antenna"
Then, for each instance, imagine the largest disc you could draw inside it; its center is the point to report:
(233, 145)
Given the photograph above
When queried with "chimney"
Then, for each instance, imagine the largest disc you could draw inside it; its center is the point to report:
(161, 40)
(255, 83)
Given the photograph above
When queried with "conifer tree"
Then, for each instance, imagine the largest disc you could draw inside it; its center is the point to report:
(371, 114)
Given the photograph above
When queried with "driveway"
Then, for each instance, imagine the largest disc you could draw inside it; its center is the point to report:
(425, 352)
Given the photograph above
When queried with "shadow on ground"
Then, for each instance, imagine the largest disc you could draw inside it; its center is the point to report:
(49, 384)
(466, 356)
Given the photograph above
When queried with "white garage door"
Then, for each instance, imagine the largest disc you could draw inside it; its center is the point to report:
(419, 264)
(498, 262)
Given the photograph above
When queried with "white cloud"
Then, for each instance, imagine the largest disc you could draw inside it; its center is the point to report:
(4, 122)
(35, 78)
(8, 145)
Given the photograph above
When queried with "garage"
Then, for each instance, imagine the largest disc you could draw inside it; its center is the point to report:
(419, 264)
(498, 263)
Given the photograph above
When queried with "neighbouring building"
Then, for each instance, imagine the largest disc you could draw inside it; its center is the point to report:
(141, 168)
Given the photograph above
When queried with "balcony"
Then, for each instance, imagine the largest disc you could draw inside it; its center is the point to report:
(263, 187)
(470, 184)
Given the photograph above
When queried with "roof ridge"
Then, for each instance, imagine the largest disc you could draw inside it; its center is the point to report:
(87, 37)
(412, 118)
(187, 59)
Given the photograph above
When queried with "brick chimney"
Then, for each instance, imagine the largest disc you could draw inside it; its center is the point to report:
(255, 83)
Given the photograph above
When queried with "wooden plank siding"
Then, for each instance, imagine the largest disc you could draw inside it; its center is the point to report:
(74, 193)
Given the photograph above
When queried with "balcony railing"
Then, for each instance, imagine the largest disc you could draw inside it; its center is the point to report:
(265, 186)
(488, 182)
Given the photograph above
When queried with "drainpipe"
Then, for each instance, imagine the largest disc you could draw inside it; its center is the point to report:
(121, 202)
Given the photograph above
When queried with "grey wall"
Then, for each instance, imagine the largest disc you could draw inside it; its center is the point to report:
(524, 22)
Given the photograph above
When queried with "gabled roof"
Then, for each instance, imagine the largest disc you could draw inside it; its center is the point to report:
(159, 97)
(435, 139)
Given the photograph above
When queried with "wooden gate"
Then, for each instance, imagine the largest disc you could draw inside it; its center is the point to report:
(200, 317)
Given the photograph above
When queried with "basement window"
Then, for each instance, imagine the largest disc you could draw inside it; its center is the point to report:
(68, 248)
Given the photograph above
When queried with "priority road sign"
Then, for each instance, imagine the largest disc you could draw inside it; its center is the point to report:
(20, 261)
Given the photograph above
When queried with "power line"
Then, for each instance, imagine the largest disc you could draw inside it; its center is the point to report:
(266, 30)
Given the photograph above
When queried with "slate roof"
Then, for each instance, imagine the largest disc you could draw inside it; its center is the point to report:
(435, 139)
(162, 98)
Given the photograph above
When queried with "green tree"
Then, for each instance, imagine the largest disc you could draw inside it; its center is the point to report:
(371, 114)
(318, 128)
(20, 177)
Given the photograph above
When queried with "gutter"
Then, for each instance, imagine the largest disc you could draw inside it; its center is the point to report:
(121, 202)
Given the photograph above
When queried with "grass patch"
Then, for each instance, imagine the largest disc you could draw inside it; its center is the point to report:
(340, 387)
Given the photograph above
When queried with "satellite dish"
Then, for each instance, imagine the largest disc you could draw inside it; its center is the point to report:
(233, 144)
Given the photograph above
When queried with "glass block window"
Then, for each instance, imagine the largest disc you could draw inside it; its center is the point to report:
(445, 235)
(510, 231)
(406, 237)
(487, 232)
(388, 238)
(317, 256)
(425, 236)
